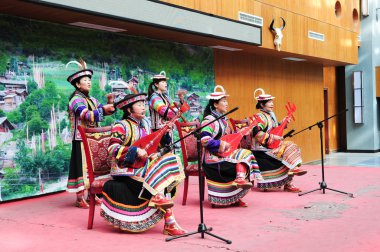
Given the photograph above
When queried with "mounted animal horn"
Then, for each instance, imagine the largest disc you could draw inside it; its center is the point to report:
(283, 24)
(277, 33)
(271, 25)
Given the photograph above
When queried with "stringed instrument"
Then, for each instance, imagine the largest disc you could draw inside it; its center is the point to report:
(150, 142)
(235, 138)
(279, 130)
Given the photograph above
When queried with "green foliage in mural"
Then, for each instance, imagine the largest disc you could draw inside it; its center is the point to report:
(37, 52)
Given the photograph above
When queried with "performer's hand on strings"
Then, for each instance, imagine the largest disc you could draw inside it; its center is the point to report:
(154, 156)
(170, 127)
(225, 146)
(287, 119)
(275, 137)
(141, 153)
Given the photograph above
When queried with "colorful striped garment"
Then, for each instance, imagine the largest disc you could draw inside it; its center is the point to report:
(221, 171)
(161, 109)
(288, 152)
(85, 111)
(125, 202)
(157, 174)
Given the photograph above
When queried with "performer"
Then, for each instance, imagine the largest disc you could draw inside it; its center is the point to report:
(137, 199)
(86, 111)
(226, 177)
(279, 165)
(161, 107)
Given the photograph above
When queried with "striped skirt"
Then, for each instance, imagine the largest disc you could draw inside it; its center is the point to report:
(160, 174)
(219, 178)
(126, 198)
(272, 171)
(123, 208)
(75, 181)
(288, 153)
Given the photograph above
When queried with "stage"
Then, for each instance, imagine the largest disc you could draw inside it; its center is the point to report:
(274, 221)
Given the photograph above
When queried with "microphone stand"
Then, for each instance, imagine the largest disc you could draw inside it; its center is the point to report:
(202, 228)
(322, 184)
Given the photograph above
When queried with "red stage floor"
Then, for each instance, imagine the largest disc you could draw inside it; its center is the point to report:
(274, 221)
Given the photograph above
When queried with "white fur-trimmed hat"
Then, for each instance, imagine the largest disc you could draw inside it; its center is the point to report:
(161, 75)
(217, 95)
(263, 96)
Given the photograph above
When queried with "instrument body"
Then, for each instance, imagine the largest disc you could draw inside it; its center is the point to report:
(235, 138)
(279, 130)
(150, 142)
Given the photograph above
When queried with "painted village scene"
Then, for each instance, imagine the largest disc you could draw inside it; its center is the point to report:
(35, 140)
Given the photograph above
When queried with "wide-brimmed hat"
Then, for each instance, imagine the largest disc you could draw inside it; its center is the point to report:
(84, 71)
(160, 76)
(217, 95)
(130, 99)
(263, 96)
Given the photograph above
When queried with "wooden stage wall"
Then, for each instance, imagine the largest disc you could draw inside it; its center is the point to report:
(299, 82)
(340, 30)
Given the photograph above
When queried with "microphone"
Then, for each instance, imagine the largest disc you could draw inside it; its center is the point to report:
(289, 134)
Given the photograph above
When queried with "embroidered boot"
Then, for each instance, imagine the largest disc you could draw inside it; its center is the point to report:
(159, 201)
(98, 201)
(240, 181)
(81, 202)
(289, 187)
(171, 226)
(240, 203)
(297, 171)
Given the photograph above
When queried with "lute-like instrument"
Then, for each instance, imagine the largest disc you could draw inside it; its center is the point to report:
(150, 142)
(279, 130)
(235, 138)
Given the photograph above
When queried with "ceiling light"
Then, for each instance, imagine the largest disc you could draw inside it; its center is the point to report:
(226, 48)
(294, 59)
(97, 27)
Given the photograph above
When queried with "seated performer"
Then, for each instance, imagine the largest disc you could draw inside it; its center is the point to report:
(226, 176)
(137, 199)
(279, 165)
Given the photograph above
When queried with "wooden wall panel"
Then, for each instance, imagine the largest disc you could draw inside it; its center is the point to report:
(329, 80)
(298, 82)
(341, 34)
(377, 81)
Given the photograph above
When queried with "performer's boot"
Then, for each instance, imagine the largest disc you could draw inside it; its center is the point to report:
(171, 226)
(240, 181)
(98, 201)
(297, 172)
(289, 187)
(159, 201)
(81, 202)
(240, 203)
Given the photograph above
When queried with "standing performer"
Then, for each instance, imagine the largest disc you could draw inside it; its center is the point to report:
(137, 199)
(279, 165)
(161, 107)
(86, 111)
(226, 176)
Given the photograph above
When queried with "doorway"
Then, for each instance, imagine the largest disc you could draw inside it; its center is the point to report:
(326, 115)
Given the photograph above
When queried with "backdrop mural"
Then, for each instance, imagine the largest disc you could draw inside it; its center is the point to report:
(35, 142)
